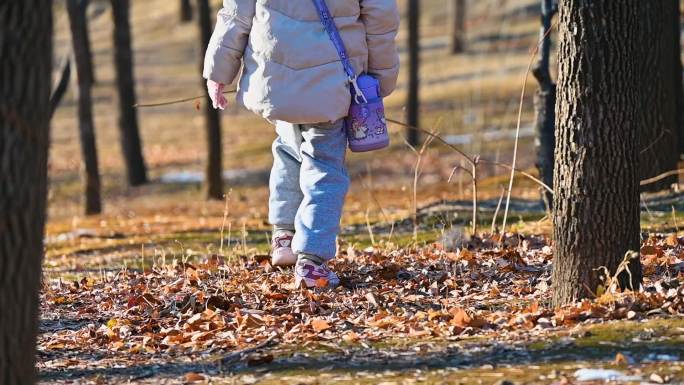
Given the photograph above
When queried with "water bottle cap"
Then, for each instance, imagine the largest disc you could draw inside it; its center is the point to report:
(369, 86)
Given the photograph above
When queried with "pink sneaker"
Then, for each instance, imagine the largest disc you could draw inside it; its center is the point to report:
(310, 274)
(281, 249)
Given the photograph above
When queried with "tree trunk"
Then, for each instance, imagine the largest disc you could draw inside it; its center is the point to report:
(62, 86)
(88, 71)
(128, 115)
(85, 110)
(185, 11)
(214, 173)
(25, 71)
(413, 102)
(596, 177)
(659, 137)
(677, 66)
(545, 104)
(457, 25)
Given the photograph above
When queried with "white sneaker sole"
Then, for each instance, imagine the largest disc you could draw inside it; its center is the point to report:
(283, 257)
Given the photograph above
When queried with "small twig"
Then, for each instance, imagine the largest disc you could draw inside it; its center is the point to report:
(434, 136)
(416, 176)
(498, 207)
(521, 172)
(370, 187)
(612, 281)
(389, 239)
(61, 87)
(453, 172)
(244, 238)
(223, 224)
(662, 133)
(517, 129)
(589, 290)
(377, 203)
(674, 219)
(650, 214)
(474, 174)
(471, 160)
(240, 354)
(460, 180)
(662, 176)
(370, 227)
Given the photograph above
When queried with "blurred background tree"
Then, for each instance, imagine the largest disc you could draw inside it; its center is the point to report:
(131, 145)
(545, 102)
(82, 55)
(214, 165)
(457, 13)
(413, 102)
(185, 11)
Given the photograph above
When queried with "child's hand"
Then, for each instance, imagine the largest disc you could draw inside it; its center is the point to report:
(218, 100)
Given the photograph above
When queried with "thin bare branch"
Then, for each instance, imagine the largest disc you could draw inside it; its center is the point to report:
(437, 137)
(521, 172)
(177, 101)
(662, 176)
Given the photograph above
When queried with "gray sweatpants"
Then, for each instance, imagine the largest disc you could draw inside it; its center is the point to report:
(308, 184)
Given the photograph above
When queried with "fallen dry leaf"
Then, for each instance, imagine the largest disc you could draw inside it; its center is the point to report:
(320, 325)
(193, 378)
(620, 360)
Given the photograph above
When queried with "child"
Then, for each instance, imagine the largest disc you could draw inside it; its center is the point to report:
(292, 75)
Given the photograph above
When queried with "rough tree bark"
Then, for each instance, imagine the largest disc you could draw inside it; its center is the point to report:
(185, 11)
(214, 173)
(413, 102)
(545, 104)
(86, 124)
(677, 48)
(25, 70)
(600, 93)
(125, 81)
(596, 179)
(659, 137)
(457, 26)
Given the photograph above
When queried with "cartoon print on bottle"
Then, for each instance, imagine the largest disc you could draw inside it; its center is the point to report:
(360, 129)
(381, 121)
(359, 126)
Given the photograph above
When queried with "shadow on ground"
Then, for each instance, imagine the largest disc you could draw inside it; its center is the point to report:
(639, 346)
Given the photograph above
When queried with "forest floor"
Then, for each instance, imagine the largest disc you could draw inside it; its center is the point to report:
(440, 309)
(166, 287)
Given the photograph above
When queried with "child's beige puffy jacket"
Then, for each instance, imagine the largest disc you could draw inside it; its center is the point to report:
(292, 71)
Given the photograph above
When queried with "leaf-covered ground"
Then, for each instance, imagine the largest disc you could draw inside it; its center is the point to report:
(177, 321)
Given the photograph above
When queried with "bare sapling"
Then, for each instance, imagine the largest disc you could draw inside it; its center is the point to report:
(225, 217)
(416, 176)
(473, 177)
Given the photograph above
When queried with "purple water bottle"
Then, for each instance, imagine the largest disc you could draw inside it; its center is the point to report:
(366, 124)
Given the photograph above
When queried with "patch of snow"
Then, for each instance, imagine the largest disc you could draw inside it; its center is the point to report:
(655, 357)
(182, 177)
(235, 176)
(489, 136)
(603, 375)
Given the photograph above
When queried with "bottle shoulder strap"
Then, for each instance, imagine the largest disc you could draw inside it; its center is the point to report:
(334, 34)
